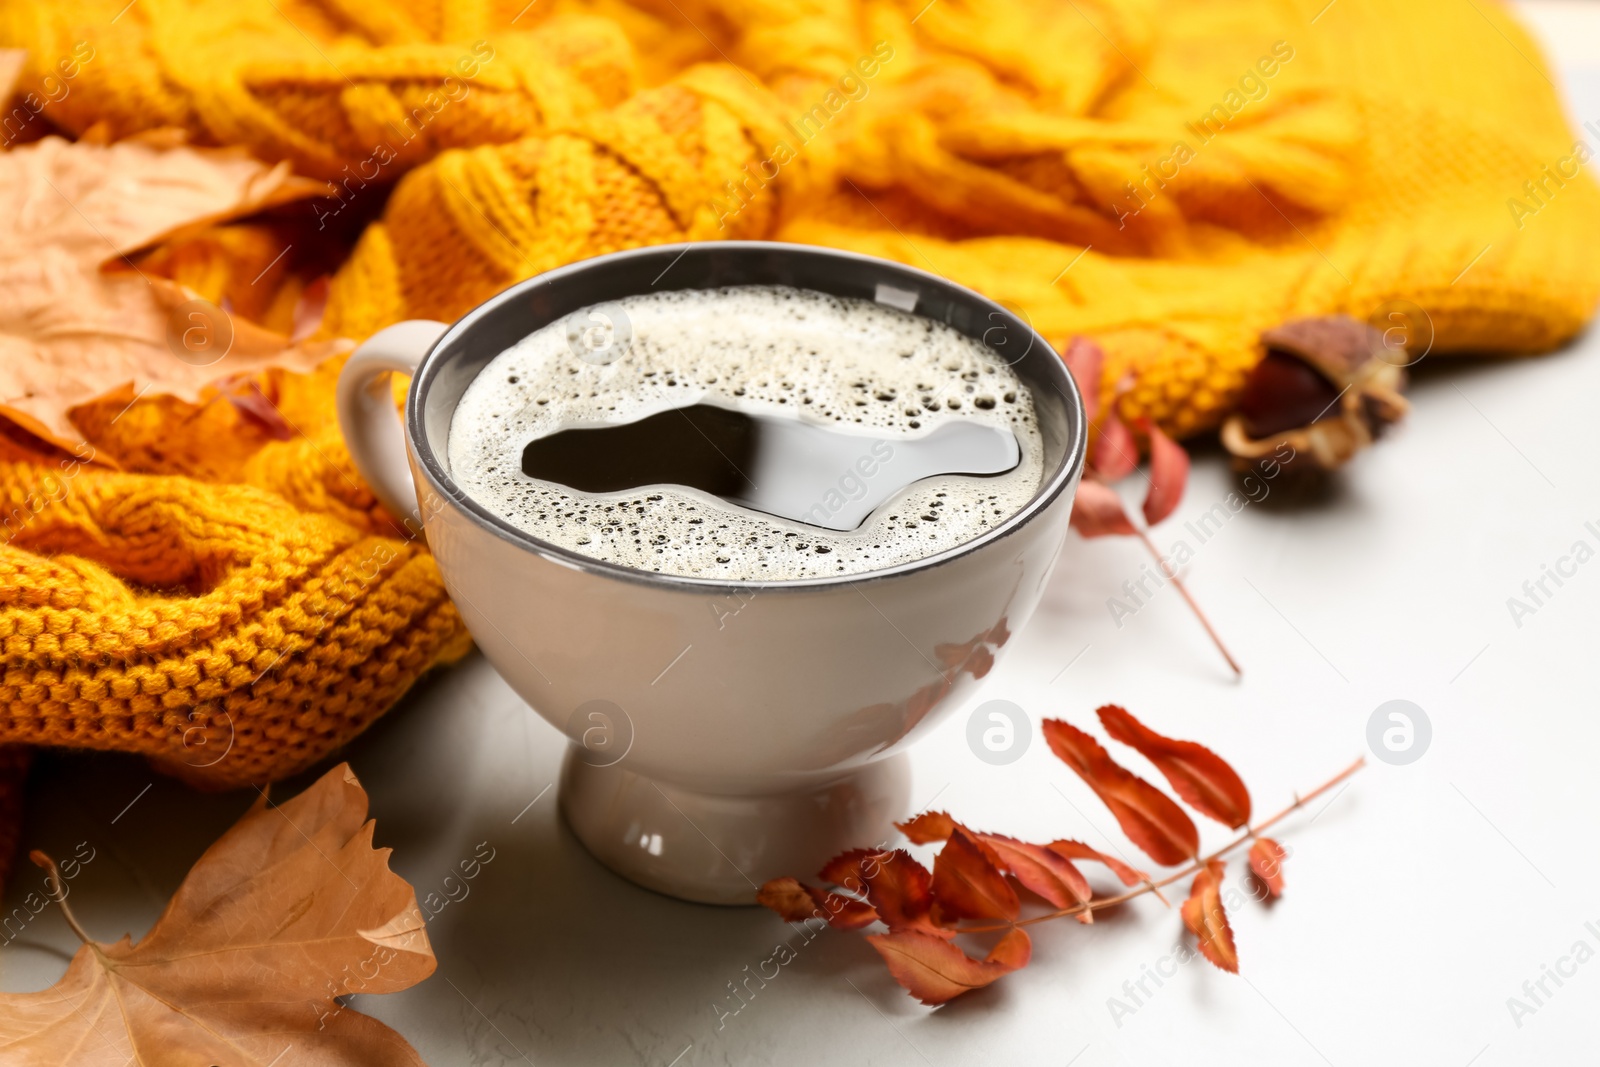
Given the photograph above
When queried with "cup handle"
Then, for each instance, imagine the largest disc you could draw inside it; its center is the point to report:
(371, 428)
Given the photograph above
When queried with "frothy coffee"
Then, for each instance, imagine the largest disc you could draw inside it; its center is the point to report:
(893, 380)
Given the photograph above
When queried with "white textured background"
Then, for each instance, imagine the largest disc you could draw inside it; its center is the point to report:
(1420, 899)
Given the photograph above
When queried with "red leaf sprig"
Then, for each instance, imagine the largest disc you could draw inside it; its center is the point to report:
(988, 879)
(1097, 510)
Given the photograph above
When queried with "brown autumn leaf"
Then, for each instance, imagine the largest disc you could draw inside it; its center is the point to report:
(71, 331)
(1201, 777)
(935, 971)
(289, 909)
(1205, 918)
(1151, 819)
(1266, 863)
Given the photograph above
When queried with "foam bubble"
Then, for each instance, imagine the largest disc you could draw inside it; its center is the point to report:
(836, 360)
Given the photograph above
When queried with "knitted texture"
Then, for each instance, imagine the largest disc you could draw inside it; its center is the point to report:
(1170, 178)
(1376, 172)
(1166, 176)
(231, 633)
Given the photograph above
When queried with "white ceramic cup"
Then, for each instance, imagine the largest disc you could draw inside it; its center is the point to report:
(722, 733)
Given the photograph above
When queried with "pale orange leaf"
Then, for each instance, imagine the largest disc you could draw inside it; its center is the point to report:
(78, 320)
(1204, 916)
(1266, 863)
(289, 909)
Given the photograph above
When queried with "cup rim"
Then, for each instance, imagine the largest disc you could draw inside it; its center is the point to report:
(429, 463)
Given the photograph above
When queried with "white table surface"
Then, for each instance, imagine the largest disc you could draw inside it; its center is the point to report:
(1420, 898)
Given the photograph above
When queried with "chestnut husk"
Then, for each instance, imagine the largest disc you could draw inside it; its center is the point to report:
(1327, 387)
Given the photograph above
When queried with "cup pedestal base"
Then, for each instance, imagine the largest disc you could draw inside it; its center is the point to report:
(716, 848)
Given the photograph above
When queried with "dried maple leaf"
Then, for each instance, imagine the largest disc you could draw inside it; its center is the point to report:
(1203, 915)
(1266, 863)
(1201, 777)
(935, 971)
(289, 909)
(1151, 819)
(71, 332)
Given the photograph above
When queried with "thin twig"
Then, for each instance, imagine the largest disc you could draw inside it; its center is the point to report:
(1249, 833)
(1172, 576)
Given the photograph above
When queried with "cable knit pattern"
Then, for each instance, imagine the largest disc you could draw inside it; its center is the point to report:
(1376, 164)
(1169, 177)
(237, 639)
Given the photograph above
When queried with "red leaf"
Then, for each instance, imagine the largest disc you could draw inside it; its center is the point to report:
(1203, 915)
(1199, 775)
(897, 886)
(1266, 863)
(797, 902)
(851, 869)
(1097, 511)
(967, 884)
(935, 971)
(1169, 473)
(1086, 360)
(1115, 453)
(1151, 819)
(928, 827)
(1077, 850)
(1049, 874)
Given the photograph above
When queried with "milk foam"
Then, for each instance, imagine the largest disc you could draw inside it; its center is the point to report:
(856, 364)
